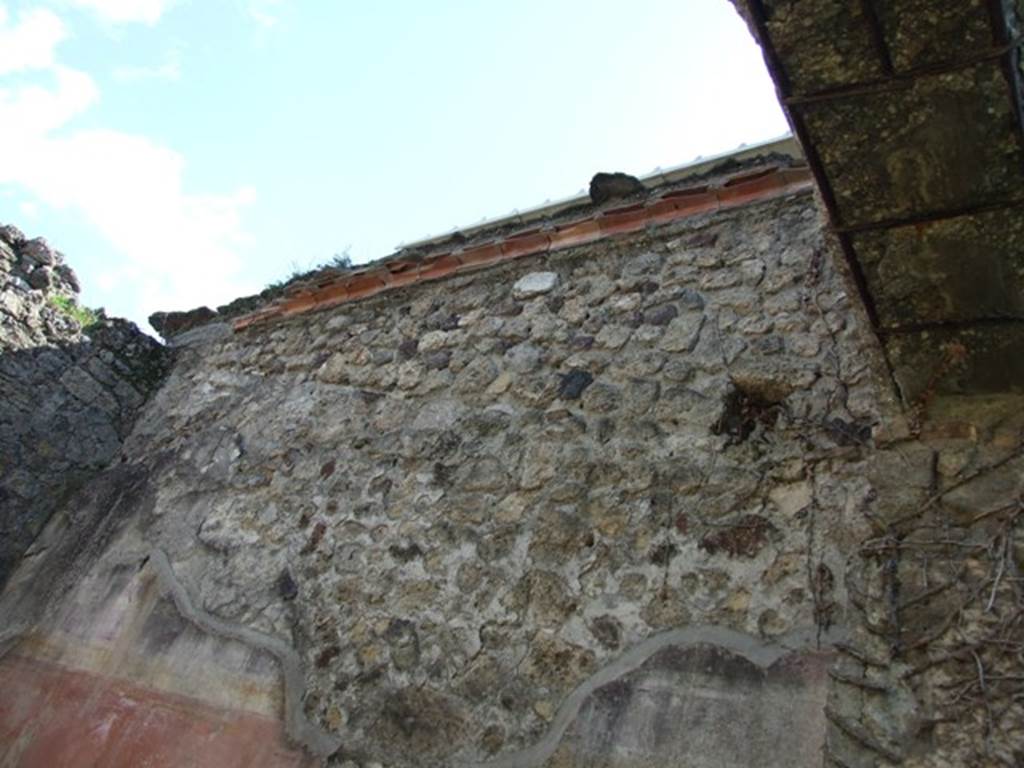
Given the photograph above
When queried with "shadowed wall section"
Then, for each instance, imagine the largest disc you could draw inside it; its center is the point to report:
(703, 706)
(71, 384)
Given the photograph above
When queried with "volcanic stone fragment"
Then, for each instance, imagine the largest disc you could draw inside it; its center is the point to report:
(573, 384)
(610, 186)
(286, 586)
(662, 315)
(744, 539)
(169, 324)
(39, 252)
(41, 278)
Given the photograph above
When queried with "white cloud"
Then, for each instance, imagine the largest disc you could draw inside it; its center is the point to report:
(177, 249)
(30, 43)
(33, 110)
(263, 12)
(123, 11)
(169, 69)
(180, 249)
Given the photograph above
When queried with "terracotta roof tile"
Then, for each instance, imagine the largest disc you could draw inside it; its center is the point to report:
(525, 245)
(480, 256)
(577, 233)
(596, 224)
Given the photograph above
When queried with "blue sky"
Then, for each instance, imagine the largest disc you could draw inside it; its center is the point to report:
(186, 152)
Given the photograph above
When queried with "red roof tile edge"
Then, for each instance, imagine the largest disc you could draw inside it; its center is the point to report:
(732, 192)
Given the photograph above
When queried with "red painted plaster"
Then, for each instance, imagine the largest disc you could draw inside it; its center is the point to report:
(55, 717)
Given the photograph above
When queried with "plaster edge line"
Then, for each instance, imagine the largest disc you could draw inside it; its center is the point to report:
(763, 654)
(297, 725)
(323, 744)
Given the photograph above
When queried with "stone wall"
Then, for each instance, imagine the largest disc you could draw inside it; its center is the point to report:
(465, 504)
(930, 671)
(68, 395)
(646, 502)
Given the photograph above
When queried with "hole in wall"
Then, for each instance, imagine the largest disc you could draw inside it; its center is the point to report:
(750, 405)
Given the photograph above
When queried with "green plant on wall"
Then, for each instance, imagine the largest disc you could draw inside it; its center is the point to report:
(84, 316)
(341, 261)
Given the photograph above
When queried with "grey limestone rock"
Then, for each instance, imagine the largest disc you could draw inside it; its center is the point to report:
(534, 284)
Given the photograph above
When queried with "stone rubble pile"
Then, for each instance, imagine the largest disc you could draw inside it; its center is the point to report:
(32, 273)
(68, 395)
